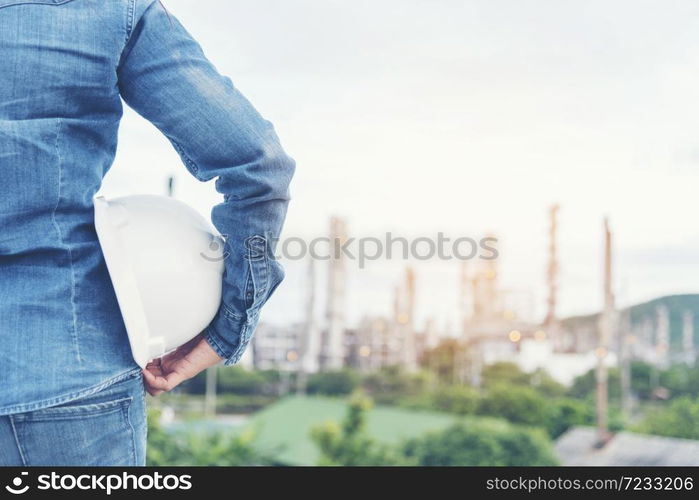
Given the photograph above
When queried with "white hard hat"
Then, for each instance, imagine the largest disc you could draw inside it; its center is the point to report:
(166, 264)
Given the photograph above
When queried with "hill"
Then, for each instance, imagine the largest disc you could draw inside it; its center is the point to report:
(646, 313)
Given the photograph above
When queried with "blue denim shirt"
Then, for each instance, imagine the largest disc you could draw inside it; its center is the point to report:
(65, 66)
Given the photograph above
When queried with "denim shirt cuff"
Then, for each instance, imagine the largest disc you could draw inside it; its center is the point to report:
(232, 344)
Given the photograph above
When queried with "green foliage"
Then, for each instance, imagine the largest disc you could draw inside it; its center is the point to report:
(504, 373)
(333, 383)
(348, 443)
(641, 376)
(442, 360)
(390, 385)
(480, 443)
(201, 448)
(160, 447)
(459, 399)
(565, 413)
(516, 404)
(680, 419)
(585, 385)
(681, 380)
(540, 405)
(546, 385)
(236, 380)
(521, 405)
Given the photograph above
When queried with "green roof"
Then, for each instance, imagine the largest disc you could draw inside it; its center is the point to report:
(286, 425)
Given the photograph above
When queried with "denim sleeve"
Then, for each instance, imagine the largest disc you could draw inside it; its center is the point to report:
(165, 76)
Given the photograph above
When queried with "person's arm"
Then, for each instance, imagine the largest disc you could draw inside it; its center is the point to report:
(165, 77)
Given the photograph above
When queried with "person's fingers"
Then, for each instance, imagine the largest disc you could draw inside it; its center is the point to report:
(156, 381)
(170, 364)
(165, 373)
(155, 370)
(173, 379)
(165, 382)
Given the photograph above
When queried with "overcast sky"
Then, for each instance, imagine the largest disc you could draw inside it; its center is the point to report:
(467, 117)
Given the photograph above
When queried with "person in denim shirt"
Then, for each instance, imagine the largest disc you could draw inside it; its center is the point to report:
(70, 392)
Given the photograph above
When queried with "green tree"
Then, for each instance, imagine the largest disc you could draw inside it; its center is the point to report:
(521, 405)
(480, 443)
(202, 448)
(681, 380)
(504, 373)
(459, 399)
(641, 376)
(333, 383)
(348, 443)
(679, 419)
(564, 413)
(546, 385)
(443, 359)
(584, 386)
(391, 385)
(236, 380)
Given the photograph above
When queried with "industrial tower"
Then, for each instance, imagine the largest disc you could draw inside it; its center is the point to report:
(333, 349)
(407, 322)
(552, 325)
(310, 337)
(606, 331)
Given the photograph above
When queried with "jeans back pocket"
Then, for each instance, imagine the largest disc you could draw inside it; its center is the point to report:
(78, 434)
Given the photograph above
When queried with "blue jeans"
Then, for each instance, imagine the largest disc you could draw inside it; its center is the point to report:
(106, 428)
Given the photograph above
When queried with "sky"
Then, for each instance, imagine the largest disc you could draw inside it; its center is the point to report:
(470, 118)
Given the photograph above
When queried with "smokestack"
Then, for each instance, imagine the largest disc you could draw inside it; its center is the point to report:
(463, 298)
(333, 349)
(408, 322)
(606, 329)
(625, 363)
(310, 337)
(486, 298)
(551, 324)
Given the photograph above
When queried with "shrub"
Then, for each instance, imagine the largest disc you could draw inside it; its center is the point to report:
(333, 383)
(480, 443)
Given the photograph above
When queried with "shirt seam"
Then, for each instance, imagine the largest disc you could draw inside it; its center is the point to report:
(130, 18)
(66, 398)
(74, 331)
(189, 163)
(37, 2)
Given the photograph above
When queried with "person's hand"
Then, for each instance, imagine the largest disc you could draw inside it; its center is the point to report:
(166, 373)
